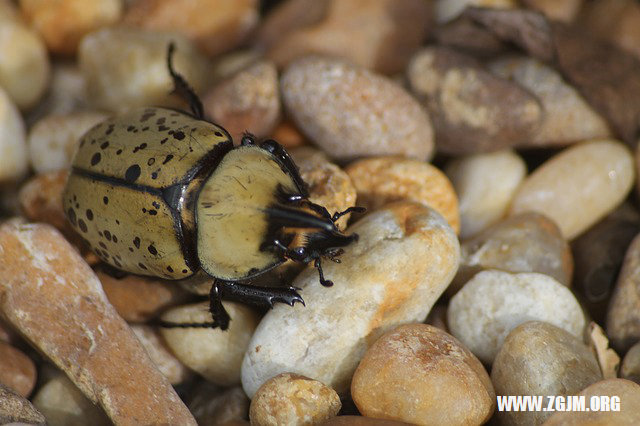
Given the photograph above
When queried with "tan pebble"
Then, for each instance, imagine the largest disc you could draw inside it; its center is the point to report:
(578, 186)
(386, 179)
(493, 303)
(394, 30)
(212, 407)
(15, 409)
(351, 112)
(17, 371)
(142, 79)
(447, 10)
(485, 184)
(212, 353)
(292, 399)
(66, 92)
(78, 329)
(249, 101)
(54, 139)
(438, 317)
(404, 259)
(63, 23)
(24, 64)
(139, 299)
(9, 11)
(617, 22)
(41, 200)
(14, 157)
(215, 25)
(622, 397)
(538, 358)
(396, 378)
(288, 135)
(630, 367)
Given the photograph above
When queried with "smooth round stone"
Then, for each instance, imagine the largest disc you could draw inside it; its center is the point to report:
(397, 377)
(54, 139)
(381, 180)
(292, 399)
(327, 100)
(623, 316)
(17, 370)
(63, 23)
(41, 200)
(175, 371)
(15, 409)
(578, 186)
(14, 158)
(249, 101)
(142, 79)
(528, 242)
(66, 93)
(212, 407)
(213, 353)
(404, 259)
(538, 358)
(493, 303)
(630, 368)
(447, 10)
(24, 64)
(567, 116)
(485, 184)
(628, 412)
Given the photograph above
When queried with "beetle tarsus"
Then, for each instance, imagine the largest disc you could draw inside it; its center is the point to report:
(259, 296)
(354, 209)
(182, 88)
(318, 265)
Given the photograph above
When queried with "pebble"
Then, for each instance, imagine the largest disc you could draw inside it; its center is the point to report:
(216, 26)
(249, 101)
(53, 140)
(623, 316)
(538, 358)
(24, 64)
(41, 200)
(404, 259)
(142, 79)
(528, 242)
(139, 299)
(351, 112)
(66, 93)
(17, 371)
(64, 23)
(564, 11)
(360, 421)
(214, 354)
(292, 399)
(617, 22)
(81, 332)
(212, 407)
(288, 135)
(579, 186)
(630, 368)
(14, 158)
(386, 179)
(472, 110)
(567, 117)
(629, 406)
(493, 303)
(394, 30)
(15, 409)
(397, 377)
(448, 10)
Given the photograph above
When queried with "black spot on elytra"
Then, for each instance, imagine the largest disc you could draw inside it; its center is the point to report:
(218, 134)
(184, 271)
(147, 115)
(142, 265)
(103, 245)
(118, 264)
(153, 212)
(162, 142)
(150, 161)
(163, 128)
(118, 152)
(96, 158)
(109, 129)
(169, 268)
(89, 214)
(104, 145)
(154, 175)
(144, 210)
(107, 235)
(82, 143)
(152, 250)
(77, 205)
(178, 135)
(131, 249)
(160, 120)
(82, 225)
(136, 242)
(145, 128)
(132, 173)
(100, 233)
(115, 239)
(71, 214)
(139, 147)
(131, 128)
(105, 200)
(155, 204)
(167, 159)
(117, 222)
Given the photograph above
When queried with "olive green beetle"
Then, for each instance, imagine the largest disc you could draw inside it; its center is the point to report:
(165, 193)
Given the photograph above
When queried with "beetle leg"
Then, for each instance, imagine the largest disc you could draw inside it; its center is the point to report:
(182, 88)
(318, 264)
(285, 160)
(218, 313)
(338, 215)
(259, 296)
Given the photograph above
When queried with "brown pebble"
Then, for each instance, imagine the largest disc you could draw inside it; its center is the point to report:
(41, 200)
(288, 135)
(360, 421)
(213, 407)
(14, 409)
(17, 371)
(630, 368)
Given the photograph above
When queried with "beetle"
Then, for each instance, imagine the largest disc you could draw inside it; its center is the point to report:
(165, 193)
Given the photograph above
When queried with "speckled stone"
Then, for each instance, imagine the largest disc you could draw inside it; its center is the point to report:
(14, 409)
(17, 370)
(292, 399)
(14, 158)
(578, 186)
(386, 179)
(397, 377)
(351, 112)
(493, 303)
(538, 358)
(403, 261)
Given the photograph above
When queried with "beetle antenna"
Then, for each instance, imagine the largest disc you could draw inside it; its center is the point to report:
(182, 88)
(355, 209)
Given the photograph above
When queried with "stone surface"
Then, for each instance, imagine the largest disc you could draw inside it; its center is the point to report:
(598, 343)
(564, 10)
(288, 135)
(215, 25)
(17, 370)
(617, 21)
(386, 179)
(403, 261)
(212, 353)
(142, 79)
(41, 200)
(360, 421)
(447, 10)
(493, 303)
(212, 407)
(66, 92)
(63, 23)
(394, 30)
(248, 101)
(528, 242)
(14, 157)
(630, 367)
(351, 112)
(485, 184)
(397, 377)
(579, 186)
(292, 399)
(53, 298)
(538, 358)
(15, 409)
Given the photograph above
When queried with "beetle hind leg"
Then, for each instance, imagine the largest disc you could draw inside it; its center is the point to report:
(218, 313)
(182, 88)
